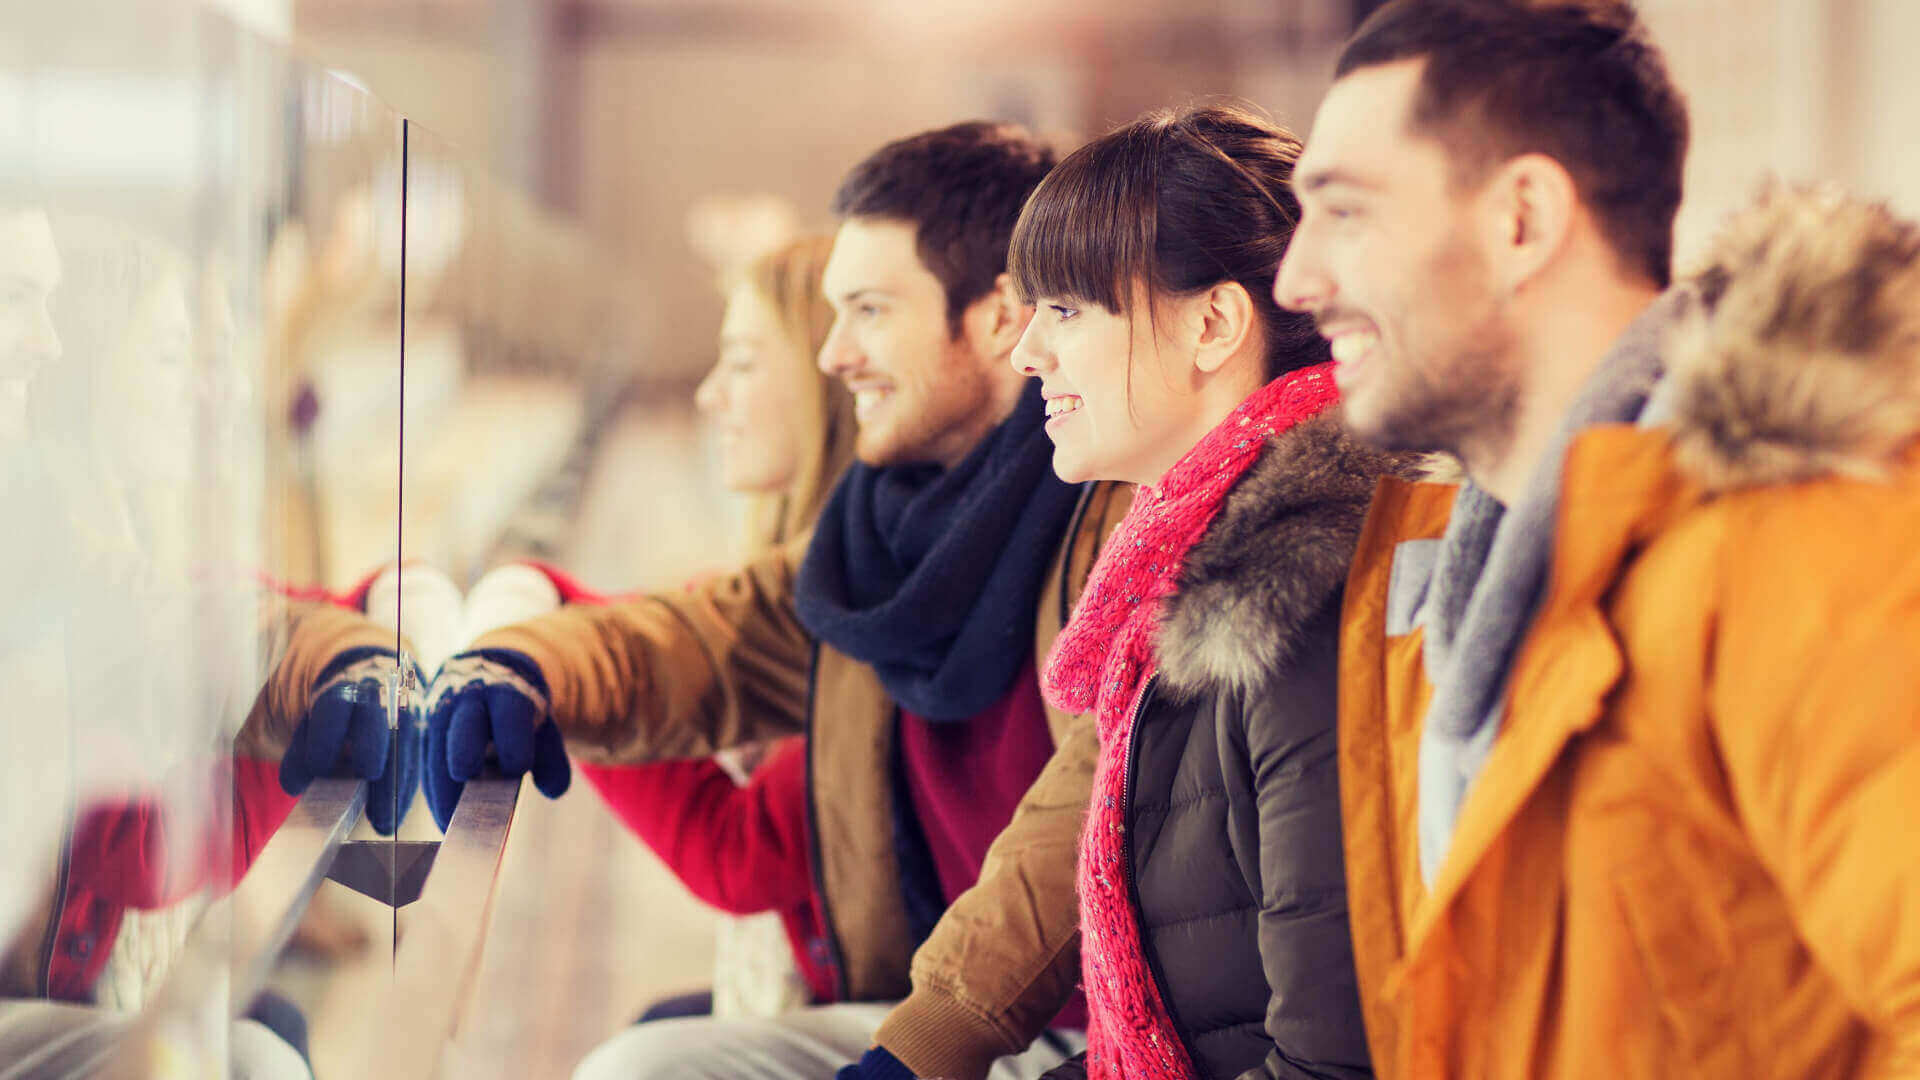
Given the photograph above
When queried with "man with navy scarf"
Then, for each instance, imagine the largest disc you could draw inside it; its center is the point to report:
(945, 798)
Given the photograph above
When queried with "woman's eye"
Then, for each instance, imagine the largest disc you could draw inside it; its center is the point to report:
(1063, 312)
(868, 311)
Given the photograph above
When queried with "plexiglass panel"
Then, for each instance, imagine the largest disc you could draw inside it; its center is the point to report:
(199, 421)
(229, 283)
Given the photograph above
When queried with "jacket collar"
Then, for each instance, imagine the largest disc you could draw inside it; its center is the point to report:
(1273, 557)
(1795, 355)
(1570, 660)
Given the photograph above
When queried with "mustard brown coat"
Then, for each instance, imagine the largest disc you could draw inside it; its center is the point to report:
(686, 674)
(1691, 851)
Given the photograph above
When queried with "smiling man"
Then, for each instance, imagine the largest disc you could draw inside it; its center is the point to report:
(903, 638)
(1629, 749)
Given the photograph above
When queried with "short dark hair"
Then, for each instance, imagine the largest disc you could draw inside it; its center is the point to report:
(1180, 200)
(1577, 81)
(961, 188)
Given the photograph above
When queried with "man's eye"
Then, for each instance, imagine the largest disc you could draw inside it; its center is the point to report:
(868, 311)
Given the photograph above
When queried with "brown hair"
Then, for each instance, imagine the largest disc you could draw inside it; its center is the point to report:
(1576, 81)
(961, 188)
(788, 279)
(1180, 200)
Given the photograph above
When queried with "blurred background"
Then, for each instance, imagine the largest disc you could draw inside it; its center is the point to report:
(568, 179)
(623, 115)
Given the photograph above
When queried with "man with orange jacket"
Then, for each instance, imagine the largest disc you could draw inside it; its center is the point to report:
(1630, 751)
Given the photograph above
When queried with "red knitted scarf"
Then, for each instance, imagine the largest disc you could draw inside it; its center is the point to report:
(1102, 661)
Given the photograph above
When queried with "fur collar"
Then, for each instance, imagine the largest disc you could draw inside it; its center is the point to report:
(1274, 555)
(1799, 356)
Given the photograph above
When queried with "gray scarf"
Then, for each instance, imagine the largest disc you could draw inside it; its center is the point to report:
(1487, 582)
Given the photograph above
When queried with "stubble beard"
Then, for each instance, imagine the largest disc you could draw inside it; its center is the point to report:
(1467, 406)
(948, 411)
(1464, 399)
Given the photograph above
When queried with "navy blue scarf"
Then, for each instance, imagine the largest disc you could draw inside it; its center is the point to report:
(933, 575)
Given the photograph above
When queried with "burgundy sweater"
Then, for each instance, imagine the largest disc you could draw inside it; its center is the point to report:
(965, 779)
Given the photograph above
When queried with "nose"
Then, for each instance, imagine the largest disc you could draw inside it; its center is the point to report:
(1029, 358)
(709, 397)
(838, 355)
(1300, 284)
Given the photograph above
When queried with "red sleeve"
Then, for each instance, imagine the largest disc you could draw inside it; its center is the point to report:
(353, 598)
(260, 807)
(572, 591)
(741, 849)
(120, 849)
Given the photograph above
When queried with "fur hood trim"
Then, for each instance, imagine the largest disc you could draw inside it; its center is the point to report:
(1275, 553)
(1799, 357)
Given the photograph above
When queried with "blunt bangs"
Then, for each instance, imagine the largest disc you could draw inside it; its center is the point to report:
(1087, 232)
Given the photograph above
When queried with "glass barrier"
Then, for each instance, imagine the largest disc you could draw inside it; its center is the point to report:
(199, 427)
(226, 280)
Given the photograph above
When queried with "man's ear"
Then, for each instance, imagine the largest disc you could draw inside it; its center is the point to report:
(996, 320)
(1221, 321)
(1531, 203)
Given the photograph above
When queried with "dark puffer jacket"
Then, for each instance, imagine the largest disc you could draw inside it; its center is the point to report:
(1233, 805)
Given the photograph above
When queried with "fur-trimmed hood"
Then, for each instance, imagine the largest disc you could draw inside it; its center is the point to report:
(1276, 552)
(1799, 356)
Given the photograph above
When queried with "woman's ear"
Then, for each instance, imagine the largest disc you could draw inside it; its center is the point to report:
(1222, 320)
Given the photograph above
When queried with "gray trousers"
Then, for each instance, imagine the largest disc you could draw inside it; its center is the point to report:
(52, 1040)
(806, 1044)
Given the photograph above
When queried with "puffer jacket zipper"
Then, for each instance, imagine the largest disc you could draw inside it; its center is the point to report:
(1126, 855)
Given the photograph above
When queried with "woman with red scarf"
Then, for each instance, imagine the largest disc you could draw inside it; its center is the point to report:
(1212, 895)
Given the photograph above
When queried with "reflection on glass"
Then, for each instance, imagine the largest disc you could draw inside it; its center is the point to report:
(205, 301)
(199, 417)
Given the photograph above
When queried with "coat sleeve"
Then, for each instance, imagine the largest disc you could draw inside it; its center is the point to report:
(740, 849)
(1005, 958)
(299, 639)
(1306, 948)
(675, 675)
(1815, 701)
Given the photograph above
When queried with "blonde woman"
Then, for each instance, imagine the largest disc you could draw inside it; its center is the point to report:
(785, 434)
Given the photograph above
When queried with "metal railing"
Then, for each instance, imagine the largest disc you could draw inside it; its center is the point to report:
(236, 942)
(447, 888)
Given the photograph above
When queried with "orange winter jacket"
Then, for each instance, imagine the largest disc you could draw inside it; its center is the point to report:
(1694, 850)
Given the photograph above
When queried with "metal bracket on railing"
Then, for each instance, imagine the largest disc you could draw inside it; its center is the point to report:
(390, 871)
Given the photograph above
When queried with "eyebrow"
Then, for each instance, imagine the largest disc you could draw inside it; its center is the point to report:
(856, 294)
(1316, 179)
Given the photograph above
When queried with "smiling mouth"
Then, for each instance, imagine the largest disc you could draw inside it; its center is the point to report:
(1062, 405)
(866, 399)
(1353, 345)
